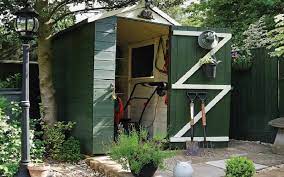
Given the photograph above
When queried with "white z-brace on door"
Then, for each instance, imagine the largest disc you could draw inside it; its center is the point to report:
(180, 84)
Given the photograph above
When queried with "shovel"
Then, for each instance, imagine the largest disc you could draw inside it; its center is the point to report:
(192, 147)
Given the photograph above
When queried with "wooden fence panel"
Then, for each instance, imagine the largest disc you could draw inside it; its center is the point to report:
(254, 100)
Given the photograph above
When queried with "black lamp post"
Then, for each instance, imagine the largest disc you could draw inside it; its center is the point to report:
(27, 26)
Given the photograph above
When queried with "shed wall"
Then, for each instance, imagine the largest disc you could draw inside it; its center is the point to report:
(104, 84)
(73, 80)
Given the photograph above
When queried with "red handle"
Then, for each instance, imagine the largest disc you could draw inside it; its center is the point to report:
(203, 114)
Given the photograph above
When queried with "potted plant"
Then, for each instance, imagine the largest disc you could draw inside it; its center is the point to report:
(141, 155)
(241, 60)
(209, 65)
(38, 169)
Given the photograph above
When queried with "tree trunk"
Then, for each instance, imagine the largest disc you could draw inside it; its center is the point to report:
(47, 90)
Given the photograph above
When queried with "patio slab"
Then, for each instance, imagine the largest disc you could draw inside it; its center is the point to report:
(222, 164)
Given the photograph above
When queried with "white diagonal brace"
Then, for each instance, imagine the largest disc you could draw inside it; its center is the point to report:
(208, 107)
(199, 139)
(184, 78)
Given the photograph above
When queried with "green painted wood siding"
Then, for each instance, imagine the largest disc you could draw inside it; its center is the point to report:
(104, 82)
(185, 53)
(255, 99)
(73, 79)
(281, 87)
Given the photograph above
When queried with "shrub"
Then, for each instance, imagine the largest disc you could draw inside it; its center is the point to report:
(10, 134)
(136, 150)
(12, 81)
(59, 146)
(70, 151)
(239, 167)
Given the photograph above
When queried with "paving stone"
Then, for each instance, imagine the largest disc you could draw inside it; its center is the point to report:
(222, 164)
(204, 170)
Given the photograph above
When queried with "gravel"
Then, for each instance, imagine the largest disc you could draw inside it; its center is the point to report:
(80, 169)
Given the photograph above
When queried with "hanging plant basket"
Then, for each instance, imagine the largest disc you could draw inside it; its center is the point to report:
(209, 66)
(210, 70)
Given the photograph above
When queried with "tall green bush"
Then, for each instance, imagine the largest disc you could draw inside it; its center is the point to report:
(10, 134)
(239, 167)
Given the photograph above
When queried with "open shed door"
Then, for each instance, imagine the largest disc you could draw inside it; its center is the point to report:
(186, 74)
(104, 84)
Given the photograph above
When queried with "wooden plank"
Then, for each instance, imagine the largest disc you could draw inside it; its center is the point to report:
(105, 46)
(104, 65)
(105, 27)
(103, 135)
(103, 83)
(102, 95)
(105, 37)
(104, 55)
(103, 121)
(104, 74)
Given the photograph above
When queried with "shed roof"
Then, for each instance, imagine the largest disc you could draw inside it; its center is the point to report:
(130, 12)
(133, 11)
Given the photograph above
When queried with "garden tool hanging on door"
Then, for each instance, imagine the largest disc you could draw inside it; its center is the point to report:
(203, 96)
(192, 148)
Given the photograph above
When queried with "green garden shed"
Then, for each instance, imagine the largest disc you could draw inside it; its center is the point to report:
(107, 55)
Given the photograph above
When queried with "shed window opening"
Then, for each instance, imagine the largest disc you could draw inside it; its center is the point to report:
(142, 61)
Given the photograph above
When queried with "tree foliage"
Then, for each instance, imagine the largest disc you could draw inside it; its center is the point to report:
(236, 15)
(256, 35)
(277, 37)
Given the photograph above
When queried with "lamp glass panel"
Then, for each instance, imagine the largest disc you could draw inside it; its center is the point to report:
(30, 24)
(21, 24)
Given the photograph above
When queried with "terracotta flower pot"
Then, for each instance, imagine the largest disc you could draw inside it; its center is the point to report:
(39, 170)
